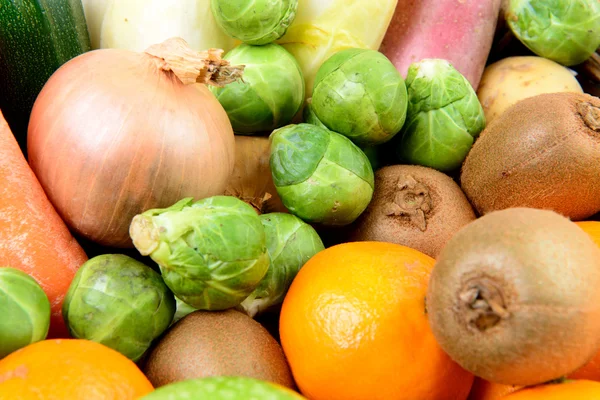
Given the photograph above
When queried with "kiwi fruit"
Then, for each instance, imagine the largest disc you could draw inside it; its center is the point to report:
(414, 206)
(542, 152)
(514, 297)
(217, 343)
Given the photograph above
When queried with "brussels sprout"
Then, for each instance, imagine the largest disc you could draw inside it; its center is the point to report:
(372, 152)
(374, 155)
(255, 22)
(360, 94)
(320, 175)
(565, 31)
(271, 93)
(119, 302)
(291, 243)
(24, 311)
(223, 388)
(212, 253)
(444, 116)
(309, 116)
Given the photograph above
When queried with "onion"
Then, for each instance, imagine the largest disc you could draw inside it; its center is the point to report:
(116, 132)
(251, 180)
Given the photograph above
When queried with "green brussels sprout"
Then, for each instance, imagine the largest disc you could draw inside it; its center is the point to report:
(271, 93)
(24, 311)
(360, 94)
(309, 116)
(444, 117)
(565, 31)
(254, 22)
(212, 253)
(119, 302)
(320, 175)
(291, 243)
(372, 152)
(222, 388)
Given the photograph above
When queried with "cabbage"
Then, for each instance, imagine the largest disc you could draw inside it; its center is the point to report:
(94, 14)
(137, 24)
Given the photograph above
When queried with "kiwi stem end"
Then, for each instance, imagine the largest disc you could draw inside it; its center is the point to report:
(590, 115)
(411, 199)
(483, 304)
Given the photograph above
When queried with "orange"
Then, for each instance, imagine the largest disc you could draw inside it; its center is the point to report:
(73, 369)
(353, 326)
(486, 390)
(591, 370)
(567, 390)
(592, 228)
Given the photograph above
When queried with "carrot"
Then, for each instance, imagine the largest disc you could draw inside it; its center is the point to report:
(460, 31)
(33, 237)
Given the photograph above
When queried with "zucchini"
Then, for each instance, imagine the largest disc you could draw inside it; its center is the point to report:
(36, 38)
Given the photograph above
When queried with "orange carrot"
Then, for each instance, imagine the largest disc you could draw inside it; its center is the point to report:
(33, 237)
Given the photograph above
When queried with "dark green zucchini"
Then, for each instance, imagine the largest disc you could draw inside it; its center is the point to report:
(36, 38)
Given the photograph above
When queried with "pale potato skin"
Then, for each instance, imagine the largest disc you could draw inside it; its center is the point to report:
(511, 79)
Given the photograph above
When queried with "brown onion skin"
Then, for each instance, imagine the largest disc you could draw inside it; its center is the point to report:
(251, 179)
(111, 135)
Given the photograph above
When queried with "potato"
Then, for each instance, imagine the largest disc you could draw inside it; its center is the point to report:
(511, 79)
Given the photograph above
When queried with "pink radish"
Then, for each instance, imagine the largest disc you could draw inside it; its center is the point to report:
(460, 31)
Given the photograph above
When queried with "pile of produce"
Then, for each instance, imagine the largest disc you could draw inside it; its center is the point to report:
(300, 199)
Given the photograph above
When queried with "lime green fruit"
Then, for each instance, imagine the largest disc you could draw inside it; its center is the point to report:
(24, 311)
(223, 388)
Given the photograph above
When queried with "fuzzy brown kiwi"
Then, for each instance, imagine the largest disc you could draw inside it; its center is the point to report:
(543, 152)
(514, 299)
(414, 206)
(217, 343)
